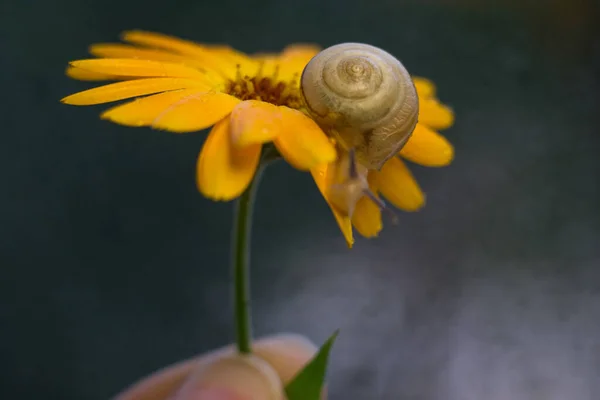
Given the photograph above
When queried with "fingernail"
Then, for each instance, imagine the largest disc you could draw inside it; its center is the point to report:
(242, 376)
(286, 353)
(297, 341)
(215, 393)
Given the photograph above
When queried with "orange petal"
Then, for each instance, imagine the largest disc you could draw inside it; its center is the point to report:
(132, 88)
(428, 148)
(160, 110)
(323, 180)
(139, 68)
(254, 121)
(208, 65)
(435, 114)
(397, 184)
(425, 87)
(223, 170)
(302, 142)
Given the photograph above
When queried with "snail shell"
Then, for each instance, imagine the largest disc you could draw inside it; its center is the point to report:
(364, 97)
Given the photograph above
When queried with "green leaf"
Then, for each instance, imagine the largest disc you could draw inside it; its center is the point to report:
(308, 383)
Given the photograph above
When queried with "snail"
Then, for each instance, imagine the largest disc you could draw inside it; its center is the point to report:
(364, 98)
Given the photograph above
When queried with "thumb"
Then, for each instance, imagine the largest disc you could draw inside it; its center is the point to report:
(233, 377)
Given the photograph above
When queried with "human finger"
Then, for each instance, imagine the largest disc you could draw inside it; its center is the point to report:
(286, 354)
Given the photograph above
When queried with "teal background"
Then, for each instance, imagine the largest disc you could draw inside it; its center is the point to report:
(113, 265)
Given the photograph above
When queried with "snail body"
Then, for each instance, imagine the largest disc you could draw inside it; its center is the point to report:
(363, 97)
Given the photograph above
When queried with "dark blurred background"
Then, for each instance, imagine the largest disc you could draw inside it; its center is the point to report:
(113, 265)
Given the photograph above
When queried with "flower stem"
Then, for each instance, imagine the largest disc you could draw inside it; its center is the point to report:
(241, 264)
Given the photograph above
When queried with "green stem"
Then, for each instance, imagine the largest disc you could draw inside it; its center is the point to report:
(241, 264)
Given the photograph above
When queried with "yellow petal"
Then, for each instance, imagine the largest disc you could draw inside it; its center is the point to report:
(143, 112)
(118, 50)
(425, 87)
(304, 51)
(195, 112)
(322, 179)
(186, 47)
(302, 142)
(298, 55)
(85, 75)
(133, 88)
(223, 170)
(345, 189)
(367, 218)
(207, 64)
(270, 67)
(162, 41)
(234, 58)
(265, 56)
(160, 110)
(291, 62)
(367, 215)
(139, 68)
(428, 148)
(288, 72)
(254, 121)
(435, 114)
(397, 184)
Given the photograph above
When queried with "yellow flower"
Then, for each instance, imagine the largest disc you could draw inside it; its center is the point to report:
(182, 86)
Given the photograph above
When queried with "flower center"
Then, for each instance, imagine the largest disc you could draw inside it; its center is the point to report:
(267, 89)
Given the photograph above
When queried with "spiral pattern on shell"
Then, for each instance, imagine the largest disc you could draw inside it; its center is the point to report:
(353, 77)
(364, 97)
